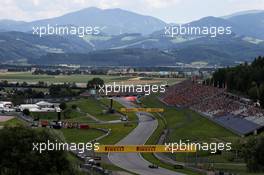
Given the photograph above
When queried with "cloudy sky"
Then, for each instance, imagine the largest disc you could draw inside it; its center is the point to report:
(177, 11)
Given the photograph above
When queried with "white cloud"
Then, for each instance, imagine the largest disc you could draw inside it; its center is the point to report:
(161, 3)
(174, 10)
(35, 2)
(10, 11)
(109, 4)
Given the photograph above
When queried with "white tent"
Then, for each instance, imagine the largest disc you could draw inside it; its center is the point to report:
(30, 107)
(44, 104)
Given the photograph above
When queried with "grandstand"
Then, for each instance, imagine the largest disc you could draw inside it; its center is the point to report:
(231, 111)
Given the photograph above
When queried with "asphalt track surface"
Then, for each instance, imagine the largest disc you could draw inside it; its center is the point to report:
(134, 162)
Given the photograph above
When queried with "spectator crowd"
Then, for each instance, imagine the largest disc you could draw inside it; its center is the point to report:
(211, 101)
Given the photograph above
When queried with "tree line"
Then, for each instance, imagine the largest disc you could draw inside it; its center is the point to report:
(18, 157)
(247, 79)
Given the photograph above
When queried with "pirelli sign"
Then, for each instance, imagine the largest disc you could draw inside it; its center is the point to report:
(138, 149)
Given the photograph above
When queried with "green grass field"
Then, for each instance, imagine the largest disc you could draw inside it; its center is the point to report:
(77, 78)
(94, 108)
(118, 131)
(185, 124)
(117, 106)
(80, 135)
(28, 77)
(154, 140)
(44, 115)
(12, 123)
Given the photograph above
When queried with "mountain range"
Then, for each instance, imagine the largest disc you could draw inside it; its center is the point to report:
(112, 21)
(128, 37)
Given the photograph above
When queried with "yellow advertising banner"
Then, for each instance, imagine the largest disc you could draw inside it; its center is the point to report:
(141, 149)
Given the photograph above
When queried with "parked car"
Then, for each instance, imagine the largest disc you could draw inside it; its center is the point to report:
(153, 166)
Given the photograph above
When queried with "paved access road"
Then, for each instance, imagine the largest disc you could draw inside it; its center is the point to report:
(134, 162)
